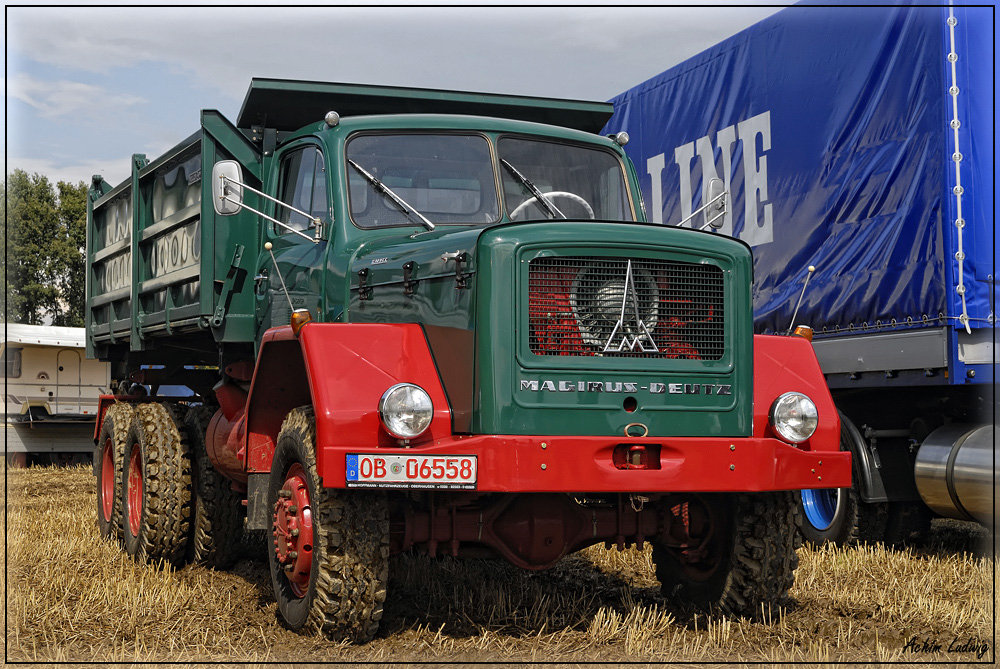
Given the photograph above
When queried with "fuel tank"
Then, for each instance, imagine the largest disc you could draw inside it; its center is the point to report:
(955, 472)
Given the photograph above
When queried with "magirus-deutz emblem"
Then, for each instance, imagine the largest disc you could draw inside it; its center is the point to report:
(621, 339)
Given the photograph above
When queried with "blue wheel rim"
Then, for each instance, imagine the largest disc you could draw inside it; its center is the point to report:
(821, 507)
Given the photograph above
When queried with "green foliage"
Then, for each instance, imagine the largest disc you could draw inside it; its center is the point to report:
(73, 217)
(45, 228)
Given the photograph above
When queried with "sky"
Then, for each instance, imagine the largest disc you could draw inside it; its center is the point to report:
(86, 87)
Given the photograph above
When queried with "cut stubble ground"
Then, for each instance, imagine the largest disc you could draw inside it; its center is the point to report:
(73, 597)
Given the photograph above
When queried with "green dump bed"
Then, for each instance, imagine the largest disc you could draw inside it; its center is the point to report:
(159, 261)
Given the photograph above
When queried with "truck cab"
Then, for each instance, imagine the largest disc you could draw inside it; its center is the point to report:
(450, 173)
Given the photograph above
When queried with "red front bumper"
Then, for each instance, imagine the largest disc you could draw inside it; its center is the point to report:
(585, 464)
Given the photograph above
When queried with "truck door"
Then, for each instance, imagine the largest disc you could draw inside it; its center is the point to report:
(301, 182)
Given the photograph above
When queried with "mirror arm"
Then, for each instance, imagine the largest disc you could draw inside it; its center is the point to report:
(273, 220)
(712, 220)
(718, 199)
(316, 222)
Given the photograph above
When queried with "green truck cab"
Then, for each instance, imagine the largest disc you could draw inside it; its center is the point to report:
(426, 320)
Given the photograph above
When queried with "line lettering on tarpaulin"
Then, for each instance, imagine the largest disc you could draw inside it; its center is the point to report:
(758, 218)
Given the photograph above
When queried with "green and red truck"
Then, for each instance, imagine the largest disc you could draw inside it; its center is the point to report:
(411, 319)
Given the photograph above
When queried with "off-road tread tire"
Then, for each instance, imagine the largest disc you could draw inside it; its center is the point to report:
(906, 522)
(759, 569)
(117, 419)
(165, 521)
(350, 567)
(217, 511)
(873, 518)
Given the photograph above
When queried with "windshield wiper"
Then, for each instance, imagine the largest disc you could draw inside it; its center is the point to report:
(404, 206)
(547, 206)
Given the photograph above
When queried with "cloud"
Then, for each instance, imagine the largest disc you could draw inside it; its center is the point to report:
(91, 82)
(114, 171)
(64, 98)
(502, 49)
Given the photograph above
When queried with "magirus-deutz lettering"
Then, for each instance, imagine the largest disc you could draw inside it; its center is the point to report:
(655, 388)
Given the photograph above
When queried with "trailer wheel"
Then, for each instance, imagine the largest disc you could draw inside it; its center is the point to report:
(906, 522)
(217, 512)
(830, 516)
(839, 515)
(108, 456)
(156, 486)
(329, 553)
(730, 553)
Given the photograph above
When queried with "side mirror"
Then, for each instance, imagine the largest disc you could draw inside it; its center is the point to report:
(227, 187)
(717, 196)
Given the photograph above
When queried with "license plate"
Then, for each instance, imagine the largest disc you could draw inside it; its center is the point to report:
(369, 470)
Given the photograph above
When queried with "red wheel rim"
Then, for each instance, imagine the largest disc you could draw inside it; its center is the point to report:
(107, 479)
(292, 528)
(135, 496)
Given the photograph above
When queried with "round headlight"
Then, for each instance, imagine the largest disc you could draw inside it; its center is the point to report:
(406, 410)
(794, 417)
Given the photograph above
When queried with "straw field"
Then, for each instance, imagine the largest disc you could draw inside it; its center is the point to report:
(72, 597)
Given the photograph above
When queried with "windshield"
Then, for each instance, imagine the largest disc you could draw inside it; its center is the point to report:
(574, 181)
(444, 178)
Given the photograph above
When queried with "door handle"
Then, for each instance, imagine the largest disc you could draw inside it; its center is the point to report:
(259, 280)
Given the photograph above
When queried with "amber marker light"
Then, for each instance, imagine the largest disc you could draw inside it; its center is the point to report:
(299, 318)
(804, 331)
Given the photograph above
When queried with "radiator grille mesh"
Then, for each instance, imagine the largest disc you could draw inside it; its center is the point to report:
(671, 309)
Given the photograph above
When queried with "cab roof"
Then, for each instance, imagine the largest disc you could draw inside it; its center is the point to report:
(288, 105)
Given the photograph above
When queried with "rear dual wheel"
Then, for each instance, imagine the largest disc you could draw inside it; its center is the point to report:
(329, 549)
(156, 486)
(217, 512)
(108, 466)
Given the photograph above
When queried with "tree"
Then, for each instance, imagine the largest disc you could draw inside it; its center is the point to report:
(44, 250)
(32, 231)
(73, 218)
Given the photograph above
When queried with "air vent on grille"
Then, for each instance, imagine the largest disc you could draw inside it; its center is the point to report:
(623, 307)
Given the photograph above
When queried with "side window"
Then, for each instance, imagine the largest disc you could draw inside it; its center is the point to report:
(302, 184)
(12, 362)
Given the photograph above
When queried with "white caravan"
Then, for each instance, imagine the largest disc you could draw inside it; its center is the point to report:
(51, 391)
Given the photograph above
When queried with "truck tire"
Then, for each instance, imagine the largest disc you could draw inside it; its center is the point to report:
(906, 522)
(108, 457)
(156, 486)
(829, 516)
(217, 512)
(872, 520)
(329, 553)
(744, 560)
(17, 460)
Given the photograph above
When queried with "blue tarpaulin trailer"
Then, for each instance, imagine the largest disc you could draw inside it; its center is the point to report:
(858, 141)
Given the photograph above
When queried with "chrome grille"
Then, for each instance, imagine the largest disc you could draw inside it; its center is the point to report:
(625, 307)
